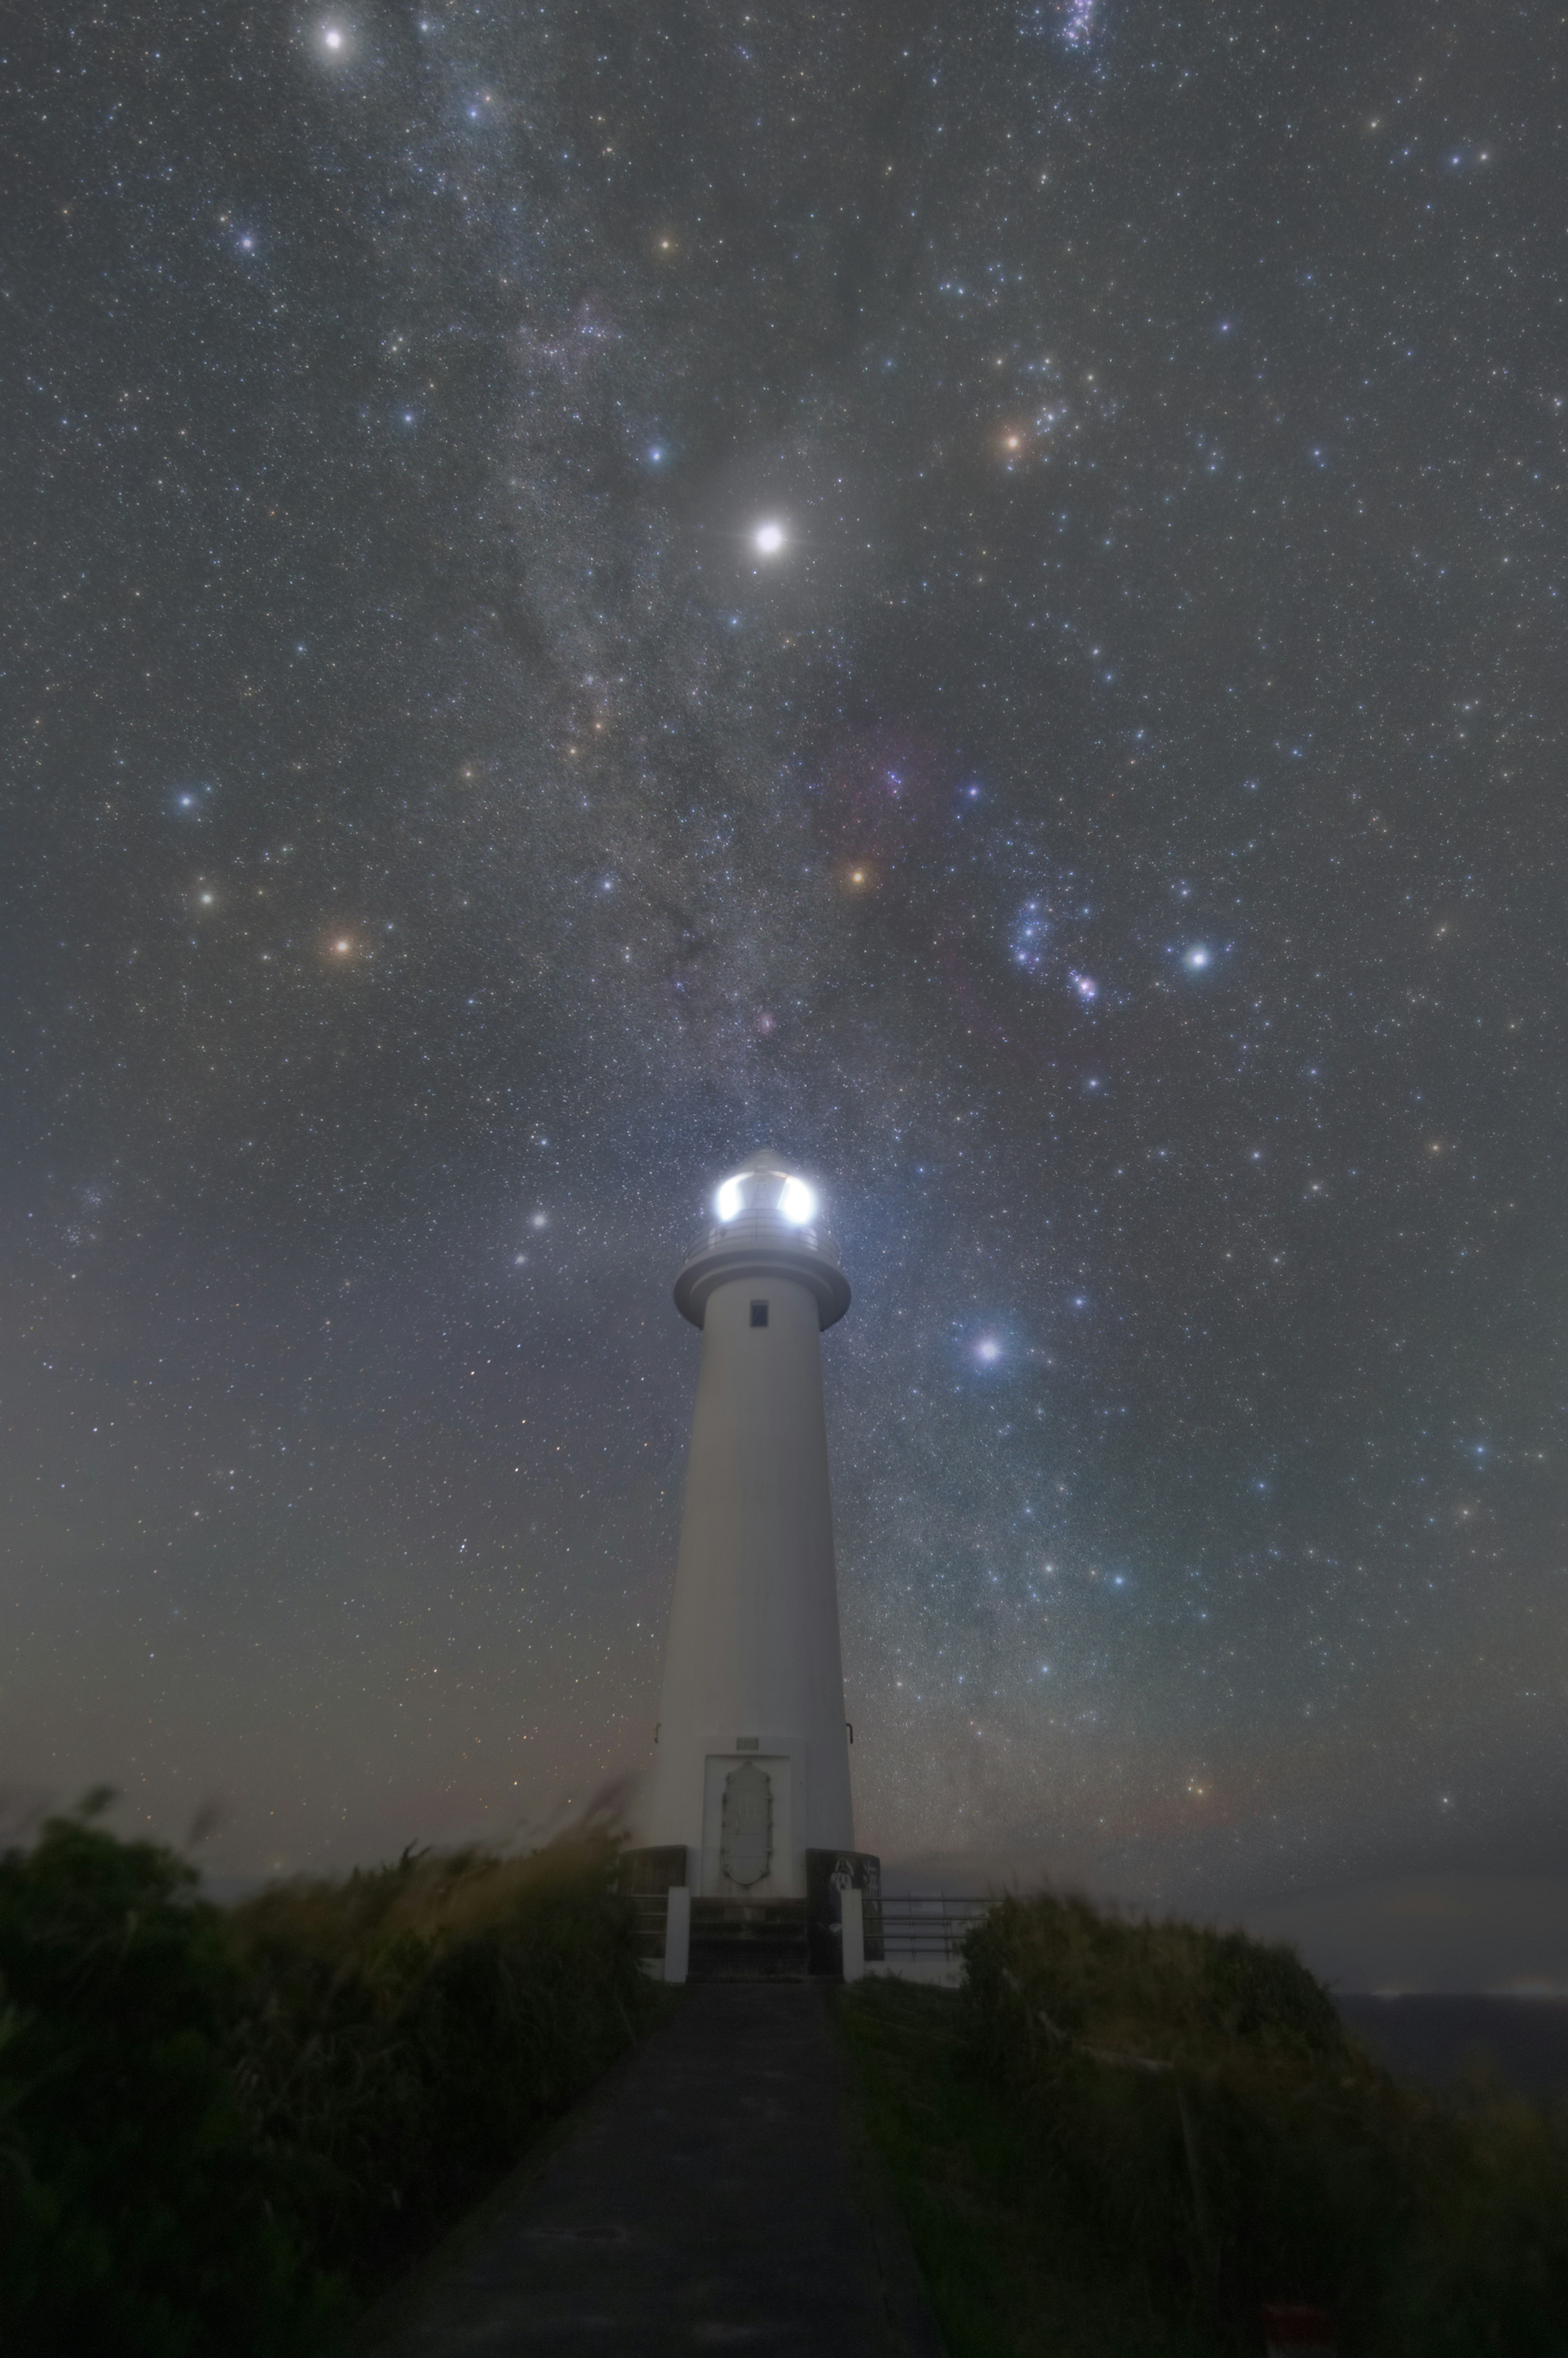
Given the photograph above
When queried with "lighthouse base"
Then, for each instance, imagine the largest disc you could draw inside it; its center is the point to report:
(757, 1939)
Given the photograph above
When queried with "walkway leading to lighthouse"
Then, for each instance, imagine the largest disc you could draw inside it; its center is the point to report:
(714, 2197)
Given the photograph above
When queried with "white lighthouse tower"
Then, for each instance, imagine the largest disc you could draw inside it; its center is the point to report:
(751, 1808)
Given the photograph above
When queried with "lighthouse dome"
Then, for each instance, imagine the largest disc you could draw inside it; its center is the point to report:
(765, 1220)
(765, 1185)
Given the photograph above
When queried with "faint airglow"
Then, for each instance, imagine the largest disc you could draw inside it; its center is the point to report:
(768, 539)
(796, 1203)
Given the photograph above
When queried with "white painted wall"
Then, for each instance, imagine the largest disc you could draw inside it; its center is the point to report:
(753, 1650)
(678, 1932)
(852, 1923)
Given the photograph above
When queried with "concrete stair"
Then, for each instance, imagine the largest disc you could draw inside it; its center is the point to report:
(749, 1940)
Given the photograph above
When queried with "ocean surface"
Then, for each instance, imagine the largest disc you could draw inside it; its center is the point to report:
(1438, 2040)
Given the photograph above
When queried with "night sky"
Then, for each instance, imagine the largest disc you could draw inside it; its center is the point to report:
(975, 595)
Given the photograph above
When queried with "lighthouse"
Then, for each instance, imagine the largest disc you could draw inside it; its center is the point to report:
(751, 1816)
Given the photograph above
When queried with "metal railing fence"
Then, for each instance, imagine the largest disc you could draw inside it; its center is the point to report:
(928, 1923)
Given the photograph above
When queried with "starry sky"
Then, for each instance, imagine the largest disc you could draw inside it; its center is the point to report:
(975, 595)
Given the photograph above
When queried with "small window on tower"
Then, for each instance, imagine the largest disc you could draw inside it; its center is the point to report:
(759, 1314)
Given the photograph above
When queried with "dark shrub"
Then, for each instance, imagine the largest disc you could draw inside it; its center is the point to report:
(137, 2213)
(218, 2131)
(1198, 2105)
(405, 2032)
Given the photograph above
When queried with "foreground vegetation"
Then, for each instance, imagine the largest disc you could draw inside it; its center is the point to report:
(1125, 2137)
(222, 2130)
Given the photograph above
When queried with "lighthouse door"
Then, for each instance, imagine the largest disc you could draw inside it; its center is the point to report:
(746, 1849)
(746, 1825)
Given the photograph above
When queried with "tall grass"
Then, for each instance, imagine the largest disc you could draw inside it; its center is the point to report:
(1197, 2106)
(220, 2131)
(405, 2031)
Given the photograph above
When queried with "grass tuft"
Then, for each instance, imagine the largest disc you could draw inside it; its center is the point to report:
(223, 2130)
(1125, 2136)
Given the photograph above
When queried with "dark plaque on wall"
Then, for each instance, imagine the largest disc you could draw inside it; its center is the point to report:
(829, 1874)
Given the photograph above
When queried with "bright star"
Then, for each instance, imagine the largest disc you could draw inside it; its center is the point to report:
(768, 539)
(1197, 956)
(988, 1350)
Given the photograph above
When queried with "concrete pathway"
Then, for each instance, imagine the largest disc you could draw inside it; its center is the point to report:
(717, 2195)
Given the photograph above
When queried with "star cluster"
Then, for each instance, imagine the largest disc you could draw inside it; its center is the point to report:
(974, 596)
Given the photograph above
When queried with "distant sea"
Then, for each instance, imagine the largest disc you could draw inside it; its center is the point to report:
(1522, 2040)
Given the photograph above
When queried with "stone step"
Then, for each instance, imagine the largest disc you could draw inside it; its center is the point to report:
(738, 1940)
(749, 1911)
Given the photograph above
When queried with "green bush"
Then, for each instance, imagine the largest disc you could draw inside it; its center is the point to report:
(1197, 2107)
(405, 2031)
(221, 2130)
(137, 2213)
